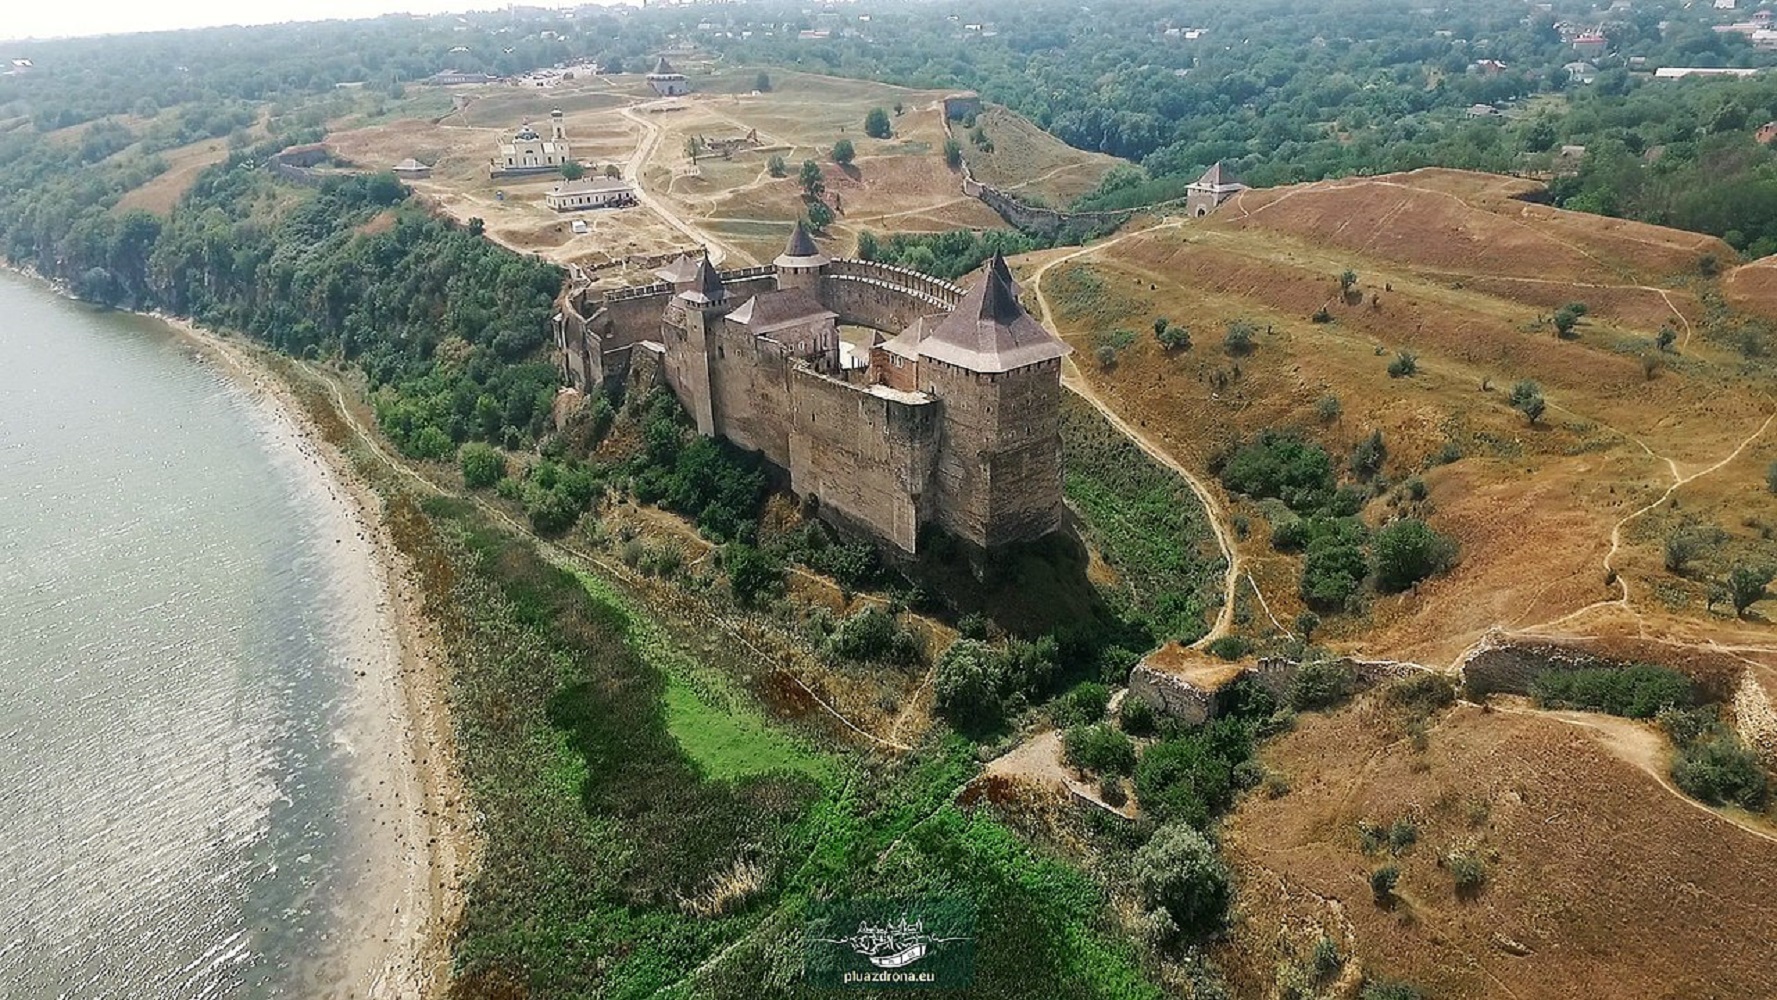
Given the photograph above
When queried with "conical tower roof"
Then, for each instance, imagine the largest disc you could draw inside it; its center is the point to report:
(664, 68)
(802, 251)
(989, 331)
(708, 286)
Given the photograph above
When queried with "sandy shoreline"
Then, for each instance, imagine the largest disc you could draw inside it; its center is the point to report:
(402, 695)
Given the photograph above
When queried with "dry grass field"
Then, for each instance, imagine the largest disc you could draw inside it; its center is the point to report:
(183, 165)
(1029, 161)
(1453, 270)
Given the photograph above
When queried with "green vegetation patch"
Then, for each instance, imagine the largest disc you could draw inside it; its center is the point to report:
(1145, 521)
(1638, 692)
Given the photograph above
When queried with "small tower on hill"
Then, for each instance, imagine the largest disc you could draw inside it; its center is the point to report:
(802, 263)
(1208, 192)
(558, 128)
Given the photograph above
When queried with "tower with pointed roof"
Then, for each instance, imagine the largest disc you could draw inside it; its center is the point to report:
(802, 263)
(666, 81)
(688, 328)
(1207, 193)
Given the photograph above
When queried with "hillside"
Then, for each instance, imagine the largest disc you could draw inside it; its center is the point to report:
(1563, 527)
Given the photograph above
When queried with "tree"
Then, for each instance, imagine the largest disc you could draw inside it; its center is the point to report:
(819, 216)
(1746, 585)
(1527, 398)
(613, 171)
(692, 148)
(1174, 337)
(1408, 551)
(1666, 338)
(966, 684)
(812, 180)
(776, 166)
(481, 465)
(876, 124)
(1682, 545)
(572, 171)
(762, 82)
(844, 153)
(1347, 279)
(1382, 882)
(1306, 623)
(1177, 871)
(1567, 317)
(953, 153)
(898, 109)
(752, 574)
(1098, 747)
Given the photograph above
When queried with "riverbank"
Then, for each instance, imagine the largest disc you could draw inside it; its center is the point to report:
(394, 941)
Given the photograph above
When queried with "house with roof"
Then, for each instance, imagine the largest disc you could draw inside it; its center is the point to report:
(589, 192)
(1591, 43)
(1207, 193)
(411, 169)
(1580, 71)
(667, 81)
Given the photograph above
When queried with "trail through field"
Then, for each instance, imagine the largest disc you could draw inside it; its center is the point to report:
(1212, 508)
(634, 169)
(1640, 746)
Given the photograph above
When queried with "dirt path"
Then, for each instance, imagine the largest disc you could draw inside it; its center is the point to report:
(1212, 508)
(1638, 745)
(635, 168)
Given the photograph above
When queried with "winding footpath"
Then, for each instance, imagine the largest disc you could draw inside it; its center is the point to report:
(1213, 509)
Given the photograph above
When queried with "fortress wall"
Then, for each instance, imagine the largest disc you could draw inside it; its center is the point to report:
(864, 456)
(1024, 460)
(750, 391)
(882, 297)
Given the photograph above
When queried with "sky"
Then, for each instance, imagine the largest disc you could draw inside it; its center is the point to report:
(39, 19)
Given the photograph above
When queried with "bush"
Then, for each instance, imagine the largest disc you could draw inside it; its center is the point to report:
(1174, 338)
(1527, 398)
(871, 635)
(1321, 684)
(1229, 647)
(1640, 691)
(1190, 778)
(1369, 455)
(1240, 337)
(1098, 747)
(1382, 882)
(1682, 545)
(844, 152)
(1283, 466)
(1408, 551)
(1334, 565)
(1423, 693)
(876, 124)
(1177, 871)
(482, 465)
(1085, 703)
(1136, 715)
(1110, 789)
(1382, 989)
(1404, 364)
(752, 574)
(966, 684)
(1467, 871)
(1720, 770)
(1328, 408)
(776, 166)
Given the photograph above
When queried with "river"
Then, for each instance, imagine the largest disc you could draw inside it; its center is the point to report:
(195, 792)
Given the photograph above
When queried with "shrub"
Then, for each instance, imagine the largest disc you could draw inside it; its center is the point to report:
(1136, 715)
(1334, 565)
(1106, 355)
(1404, 364)
(1423, 693)
(1720, 770)
(1321, 684)
(1281, 465)
(1665, 338)
(1467, 871)
(1408, 551)
(1369, 455)
(1382, 989)
(1098, 747)
(966, 684)
(1527, 398)
(1110, 789)
(1174, 338)
(1382, 882)
(1682, 546)
(1229, 647)
(776, 166)
(871, 635)
(1640, 691)
(1402, 834)
(1328, 408)
(1184, 779)
(752, 573)
(953, 153)
(482, 465)
(1084, 703)
(1177, 871)
(844, 152)
(1240, 337)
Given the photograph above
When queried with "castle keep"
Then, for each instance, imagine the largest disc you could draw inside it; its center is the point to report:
(950, 416)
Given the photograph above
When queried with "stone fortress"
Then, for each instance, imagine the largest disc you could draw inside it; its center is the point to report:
(949, 415)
